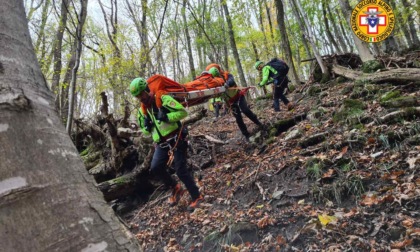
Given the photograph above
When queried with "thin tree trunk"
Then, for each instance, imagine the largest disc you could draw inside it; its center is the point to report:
(285, 43)
(188, 38)
(261, 23)
(48, 200)
(411, 23)
(331, 38)
(57, 48)
(41, 34)
(302, 29)
(338, 35)
(318, 57)
(344, 31)
(81, 18)
(233, 45)
(270, 24)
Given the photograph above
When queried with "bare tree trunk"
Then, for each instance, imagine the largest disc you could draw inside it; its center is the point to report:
(270, 24)
(111, 25)
(285, 42)
(338, 35)
(344, 31)
(57, 48)
(331, 38)
(81, 18)
(261, 24)
(310, 37)
(48, 201)
(188, 38)
(233, 45)
(410, 23)
(362, 47)
(302, 28)
(41, 34)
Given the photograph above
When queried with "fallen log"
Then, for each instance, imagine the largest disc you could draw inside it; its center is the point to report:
(396, 76)
(407, 113)
(128, 183)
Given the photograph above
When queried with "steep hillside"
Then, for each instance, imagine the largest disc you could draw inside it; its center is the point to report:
(340, 172)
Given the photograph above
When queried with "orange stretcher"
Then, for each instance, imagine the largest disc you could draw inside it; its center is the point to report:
(191, 93)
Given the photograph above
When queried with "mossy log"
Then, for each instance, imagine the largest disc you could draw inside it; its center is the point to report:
(406, 114)
(313, 140)
(126, 184)
(285, 124)
(401, 102)
(396, 76)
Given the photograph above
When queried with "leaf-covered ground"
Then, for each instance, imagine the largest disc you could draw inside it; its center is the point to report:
(346, 178)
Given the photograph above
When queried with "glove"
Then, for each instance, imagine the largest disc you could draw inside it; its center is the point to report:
(148, 124)
(259, 84)
(162, 116)
(227, 86)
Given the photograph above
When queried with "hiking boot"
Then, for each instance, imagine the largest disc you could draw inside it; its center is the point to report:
(290, 106)
(195, 204)
(176, 195)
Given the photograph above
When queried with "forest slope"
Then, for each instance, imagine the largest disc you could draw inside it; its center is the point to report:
(346, 178)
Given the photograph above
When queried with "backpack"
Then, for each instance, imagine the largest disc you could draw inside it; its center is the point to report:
(281, 67)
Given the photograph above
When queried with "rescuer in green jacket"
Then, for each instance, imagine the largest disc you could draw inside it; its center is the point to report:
(164, 124)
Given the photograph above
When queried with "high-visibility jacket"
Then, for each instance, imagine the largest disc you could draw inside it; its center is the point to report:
(175, 112)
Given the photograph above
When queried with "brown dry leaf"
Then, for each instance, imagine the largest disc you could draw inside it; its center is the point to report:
(352, 212)
(369, 200)
(329, 174)
(408, 223)
(281, 240)
(265, 221)
(401, 244)
(343, 151)
(206, 221)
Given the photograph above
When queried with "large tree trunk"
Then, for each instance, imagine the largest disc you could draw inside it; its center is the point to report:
(48, 202)
(362, 47)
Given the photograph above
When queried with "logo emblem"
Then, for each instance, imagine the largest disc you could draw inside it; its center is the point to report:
(372, 20)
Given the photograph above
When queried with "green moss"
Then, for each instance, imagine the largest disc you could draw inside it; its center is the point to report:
(346, 114)
(341, 79)
(313, 90)
(353, 104)
(292, 88)
(389, 95)
(371, 66)
(120, 180)
(86, 151)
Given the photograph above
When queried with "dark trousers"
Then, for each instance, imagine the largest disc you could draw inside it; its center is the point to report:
(279, 86)
(242, 106)
(158, 167)
(217, 106)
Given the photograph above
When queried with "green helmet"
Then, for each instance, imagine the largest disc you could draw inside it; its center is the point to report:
(137, 86)
(214, 71)
(258, 63)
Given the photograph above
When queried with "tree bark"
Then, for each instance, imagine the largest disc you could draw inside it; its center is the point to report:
(48, 202)
(327, 27)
